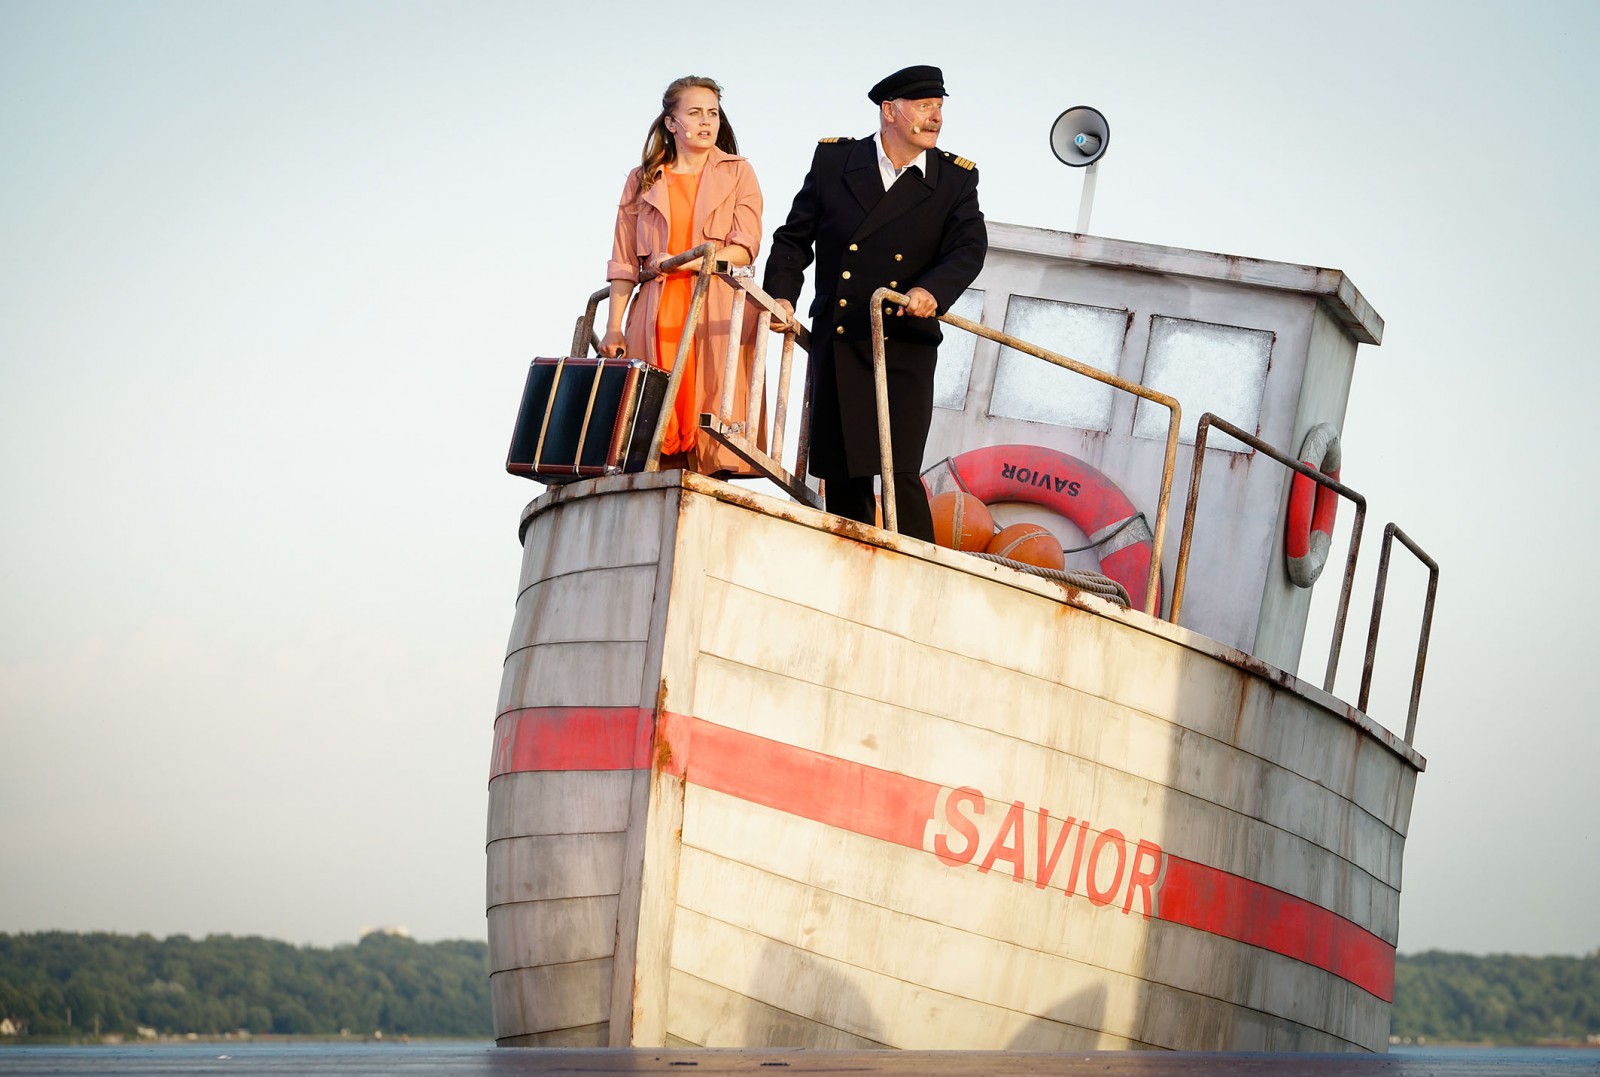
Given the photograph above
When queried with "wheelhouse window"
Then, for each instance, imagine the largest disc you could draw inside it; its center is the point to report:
(1217, 368)
(1029, 388)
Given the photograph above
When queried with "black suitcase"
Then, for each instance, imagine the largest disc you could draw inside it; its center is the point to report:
(585, 417)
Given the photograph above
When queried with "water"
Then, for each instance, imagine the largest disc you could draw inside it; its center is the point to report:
(479, 1059)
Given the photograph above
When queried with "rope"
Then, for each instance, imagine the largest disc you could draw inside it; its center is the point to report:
(1093, 582)
(1113, 533)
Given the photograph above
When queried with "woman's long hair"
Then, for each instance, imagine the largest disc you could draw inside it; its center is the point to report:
(660, 149)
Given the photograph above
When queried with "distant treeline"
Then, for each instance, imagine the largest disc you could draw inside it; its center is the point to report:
(60, 984)
(1500, 999)
(65, 985)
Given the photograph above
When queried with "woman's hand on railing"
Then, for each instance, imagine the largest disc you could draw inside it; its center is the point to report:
(689, 259)
(612, 344)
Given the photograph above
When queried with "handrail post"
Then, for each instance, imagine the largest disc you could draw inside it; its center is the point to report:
(1152, 602)
(583, 331)
(1210, 419)
(756, 399)
(730, 369)
(1174, 421)
(785, 369)
(880, 385)
(1390, 532)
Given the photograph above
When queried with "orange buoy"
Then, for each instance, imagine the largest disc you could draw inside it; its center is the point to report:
(961, 521)
(1042, 476)
(1032, 544)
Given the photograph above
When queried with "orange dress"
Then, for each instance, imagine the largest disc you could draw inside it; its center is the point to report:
(677, 292)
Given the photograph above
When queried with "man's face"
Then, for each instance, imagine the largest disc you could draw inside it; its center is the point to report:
(919, 121)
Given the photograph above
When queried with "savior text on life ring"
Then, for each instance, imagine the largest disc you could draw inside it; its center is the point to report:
(1078, 491)
(1308, 527)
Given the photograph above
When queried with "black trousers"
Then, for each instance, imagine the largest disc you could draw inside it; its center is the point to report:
(853, 499)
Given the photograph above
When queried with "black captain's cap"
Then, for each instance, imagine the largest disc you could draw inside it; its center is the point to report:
(911, 83)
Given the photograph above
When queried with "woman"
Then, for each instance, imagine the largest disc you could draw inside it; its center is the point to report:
(691, 187)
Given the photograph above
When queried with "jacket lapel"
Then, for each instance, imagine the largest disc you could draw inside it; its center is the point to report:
(908, 191)
(717, 181)
(658, 199)
(861, 174)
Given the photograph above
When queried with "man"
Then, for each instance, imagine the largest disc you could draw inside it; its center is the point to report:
(894, 211)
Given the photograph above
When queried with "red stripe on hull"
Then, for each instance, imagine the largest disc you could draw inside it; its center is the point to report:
(824, 788)
(897, 808)
(571, 738)
(1221, 903)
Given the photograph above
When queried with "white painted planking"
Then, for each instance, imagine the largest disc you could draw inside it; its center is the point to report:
(547, 866)
(889, 651)
(553, 932)
(644, 910)
(705, 1014)
(568, 535)
(823, 720)
(610, 604)
(573, 675)
(916, 884)
(880, 734)
(958, 961)
(550, 998)
(854, 933)
(1381, 790)
(595, 1035)
(800, 567)
(946, 681)
(641, 991)
(558, 802)
(1406, 787)
(861, 1001)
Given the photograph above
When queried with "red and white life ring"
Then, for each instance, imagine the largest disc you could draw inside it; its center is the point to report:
(1052, 479)
(1308, 527)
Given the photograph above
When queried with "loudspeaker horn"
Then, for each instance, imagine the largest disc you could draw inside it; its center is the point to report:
(1079, 136)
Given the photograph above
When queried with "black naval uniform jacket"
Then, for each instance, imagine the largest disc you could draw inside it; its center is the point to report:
(925, 231)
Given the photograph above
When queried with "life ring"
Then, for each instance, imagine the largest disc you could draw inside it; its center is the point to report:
(1052, 479)
(1308, 527)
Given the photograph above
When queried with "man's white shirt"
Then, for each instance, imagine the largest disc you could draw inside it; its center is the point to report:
(886, 169)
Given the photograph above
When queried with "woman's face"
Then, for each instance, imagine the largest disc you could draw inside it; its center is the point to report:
(695, 121)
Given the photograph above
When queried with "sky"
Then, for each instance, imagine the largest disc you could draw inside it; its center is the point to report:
(271, 274)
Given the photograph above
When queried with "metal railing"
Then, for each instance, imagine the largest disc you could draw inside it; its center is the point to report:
(880, 376)
(1181, 575)
(739, 435)
(1390, 533)
(736, 435)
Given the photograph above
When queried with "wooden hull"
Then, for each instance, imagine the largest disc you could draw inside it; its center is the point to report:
(762, 777)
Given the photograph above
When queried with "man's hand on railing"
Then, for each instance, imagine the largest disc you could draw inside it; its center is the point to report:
(921, 304)
(788, 316)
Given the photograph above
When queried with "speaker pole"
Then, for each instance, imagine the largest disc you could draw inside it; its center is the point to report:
(1079, 138)
(1086, 203)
